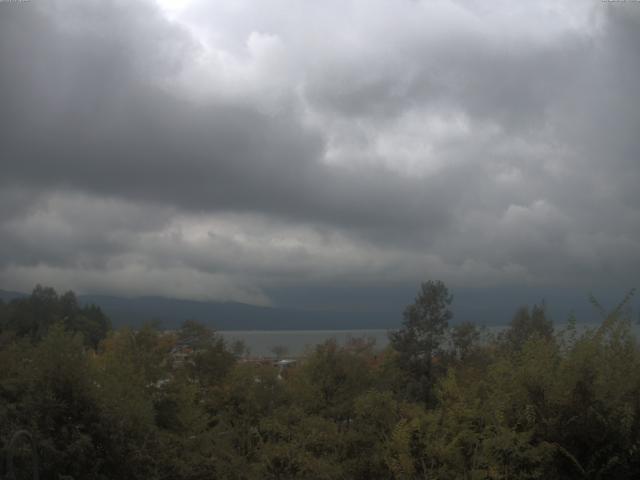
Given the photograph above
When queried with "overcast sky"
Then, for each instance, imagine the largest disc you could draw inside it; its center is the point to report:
(236, 149)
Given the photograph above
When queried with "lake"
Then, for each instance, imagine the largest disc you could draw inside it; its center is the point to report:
(296, 342)
(260, 342)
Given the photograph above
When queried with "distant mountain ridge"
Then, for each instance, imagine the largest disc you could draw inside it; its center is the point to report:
(7, 296)
(171, 312)
(230, 316)
(488, 307)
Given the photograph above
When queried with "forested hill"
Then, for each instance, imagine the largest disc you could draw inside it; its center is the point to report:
(489, 307)
(233, 316)
(169, 313)
(7, 296)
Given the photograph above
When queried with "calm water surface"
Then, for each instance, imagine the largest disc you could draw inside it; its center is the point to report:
(296, 342)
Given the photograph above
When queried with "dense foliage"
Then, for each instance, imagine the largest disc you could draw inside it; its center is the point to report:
(441, 402)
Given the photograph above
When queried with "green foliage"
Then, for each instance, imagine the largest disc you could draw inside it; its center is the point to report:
(530, 404)
(32, 317)
(525, 325)
(465, 339)
(421, 336)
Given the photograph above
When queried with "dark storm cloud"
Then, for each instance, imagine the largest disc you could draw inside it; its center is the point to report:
(84, 113)
(248, 148)
(60, 229)
(513, 82)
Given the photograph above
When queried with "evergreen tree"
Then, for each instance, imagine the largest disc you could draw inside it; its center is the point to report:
(421, 336)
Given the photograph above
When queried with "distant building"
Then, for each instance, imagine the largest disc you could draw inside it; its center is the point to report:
(183, 350)
(283, 365)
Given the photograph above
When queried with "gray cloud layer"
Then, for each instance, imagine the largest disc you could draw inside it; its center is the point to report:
(222, 150)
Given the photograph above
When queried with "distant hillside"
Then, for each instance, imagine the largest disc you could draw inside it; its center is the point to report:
(482, 306)
(487, 307)
(232, 316)
(7, 296)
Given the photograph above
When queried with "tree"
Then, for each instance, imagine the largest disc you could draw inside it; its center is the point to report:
(422, 333)
(33, 316)
(330, 379)
(209, 359)
(528, 324)
(464, 338)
